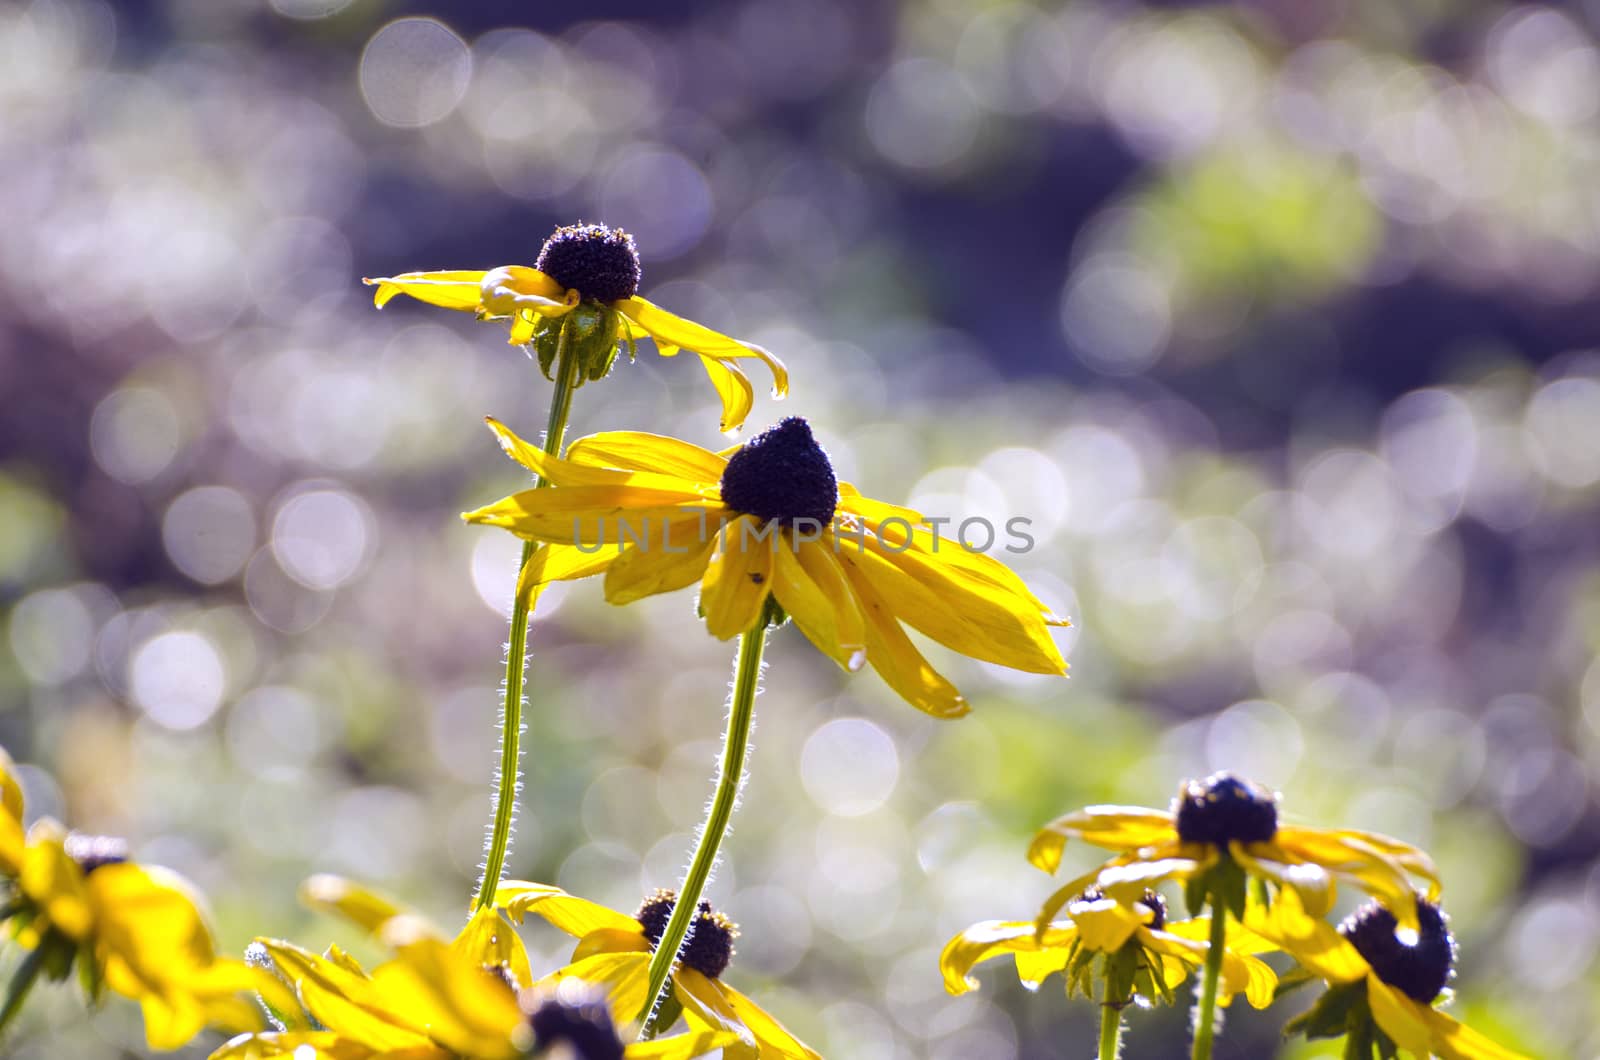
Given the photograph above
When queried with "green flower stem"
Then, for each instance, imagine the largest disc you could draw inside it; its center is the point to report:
(1110, 1031)
(735, 742)
(505, 801)
(1205, 1027)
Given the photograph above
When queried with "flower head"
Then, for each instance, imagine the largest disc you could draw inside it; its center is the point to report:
(1132, 950)
(583, 293)
(770, 522)
(1382, 979)
(614, 950)
(468, 998)
(1225, 824)
(79, 901)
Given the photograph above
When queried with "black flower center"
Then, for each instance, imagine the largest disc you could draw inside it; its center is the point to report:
(1149, 899)
(1418, 969)
(782, 474)
(1224, 808)
(711, 933)
(583, 1027)
(600, 263)
(95, 851)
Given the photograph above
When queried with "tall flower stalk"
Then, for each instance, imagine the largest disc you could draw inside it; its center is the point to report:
(1110, 1031)
(505, 799)
(730, 777)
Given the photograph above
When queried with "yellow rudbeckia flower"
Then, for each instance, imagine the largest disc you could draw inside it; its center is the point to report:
(1141, 956)
(587, 275)
(768, 521)
(1226, 821)
(614, 952)
(135, 929)
(1382, 979)
(465, 999)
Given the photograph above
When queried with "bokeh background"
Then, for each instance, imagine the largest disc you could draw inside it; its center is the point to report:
(1277, 318)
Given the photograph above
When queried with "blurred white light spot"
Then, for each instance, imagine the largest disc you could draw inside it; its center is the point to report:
(276, 728)
(661, 197)
(378, 832)
(1430, 441)
(1256, 738)
(849, 766)
(52, 633)
(1545, 65)
(309, 9)
(922, 115)
(1117, 316)
(135, 434)
(321, 538)
(209, 533)
(414, 72)
(1562, 431)
(177, 679)
(1554, 944)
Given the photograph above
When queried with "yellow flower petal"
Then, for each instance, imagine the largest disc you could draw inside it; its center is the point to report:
(1034, 967)
(733, 389)
(1308, 880)
(457, 289)
(10, 790)
(1250, 976)
(1062, 895)
(1401, 1018)
(567, 473)
(773, 1037)
(705, 1005)
(738, 578)
(811, 587)
(1350, 855)
(1128, 881)
(978, 943)
(512, 289)
(1111, 827)
(611, 940)
(53, 881)
(576, 916)
(638, 451)
(488, 941)
(671, 330)
(553, 563)
(964, 614)
(624, 978)
(593, 516)
(895, 658)
(680, 1046)
(673, 556)
(464, 1006)
(1310, 940)
(1104, 925)
(345, 1003)
(1453, 1040)
(335, 894)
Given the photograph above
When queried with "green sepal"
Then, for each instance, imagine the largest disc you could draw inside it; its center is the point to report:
(1340, 1009)
(547, 343)
(593, 331)
(1194, 894)
(1292, 980)
(91, 977)
(668, 1011)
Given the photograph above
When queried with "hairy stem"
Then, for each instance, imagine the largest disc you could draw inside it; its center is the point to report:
(1110, 1031)
(1205, 1025)
(730, 777)
(505, 800)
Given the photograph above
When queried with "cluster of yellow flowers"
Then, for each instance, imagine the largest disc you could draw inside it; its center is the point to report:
(770, 536)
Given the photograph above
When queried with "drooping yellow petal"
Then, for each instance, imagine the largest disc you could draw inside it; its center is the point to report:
(10, 790)
(680, 1046)
(874, 512)
(978, 566)
(1111, 827)
(323, 1045)
(978, 943)
(1250, 976)
(891, 653)
(611, 940)
(1059, 898)
(1454, 1040)
(1351, 856)
(673, 556)
(596, 517)
(334, 894)
(1401, 1018)
(512, 289)
(669, 329)
(811, 587)
(734, 390)
(53, 881)
(489, 942)
(638, 451)
(1129, 881)
(576, 916)
(456, 289)
(964, 614)
(1035, 966)
(624, 979)
(738, 578)
(553, 563)
(774, 1038)
(568, 473)
(465, 1006)
(705, 1005)
(1319, 948)
(343, 1002)
(1307, 879)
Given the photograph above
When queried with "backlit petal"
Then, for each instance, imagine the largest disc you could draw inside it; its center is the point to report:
(774, 1038)
(1454, 1040)
(512, 288)
(1401, 1018)
(674, 556)
(734, 390)
(811, 586)
(738, 578)
(566, 473)
(1308, 880)
(978, 943)
(576, 916)
(1111, 827)
(673, 330)
(891, 653)
(638, 451)
(455, 289)
(335, 894)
